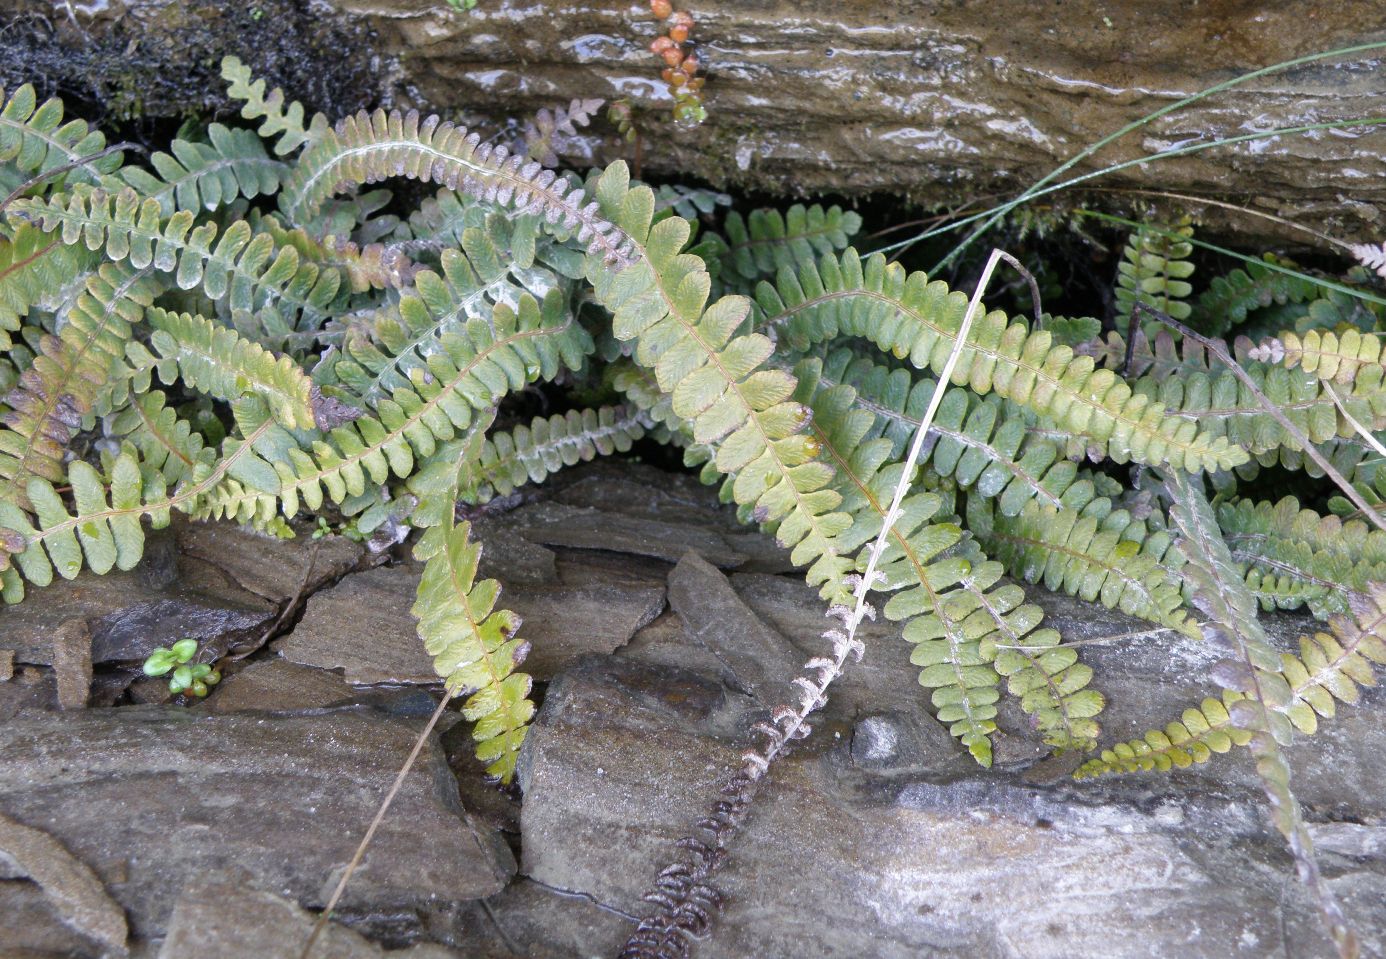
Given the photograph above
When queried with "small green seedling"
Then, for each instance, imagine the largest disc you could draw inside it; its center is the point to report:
(188, 677)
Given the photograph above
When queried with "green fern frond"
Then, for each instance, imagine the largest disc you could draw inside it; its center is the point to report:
(529, 454)
(166, 444)
(468, 375)
(908, 316)
(382, 353)
(242, 267)
(279, 120)
(62, 384)
(1195, 737)
(34, 138)
(205, 176)
(1154, 270)
(35, 270)
(103, 534)
(473, 645)
(368, 148)
(1256, 526)
(715, 379)
(768, 241)
(1352, 358)
(1229, 298)
(218, 361)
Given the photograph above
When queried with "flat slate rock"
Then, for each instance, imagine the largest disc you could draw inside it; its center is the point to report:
(363, 625)
(152, 798)
(278, 685)
(553, 524)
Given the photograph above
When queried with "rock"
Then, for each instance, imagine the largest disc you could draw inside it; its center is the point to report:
(153, 798)
(32, 688)
(277, 569)
(278, 685)
(72, 663)
(758, 660)
(933, 102)
(31, 928)
(6, 664)
(73, 889)
(555, 525)
(224, 918)
(363, 625)
(865, 855)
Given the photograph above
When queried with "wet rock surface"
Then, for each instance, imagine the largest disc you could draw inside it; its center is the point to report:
(934, 101)
(877, 837)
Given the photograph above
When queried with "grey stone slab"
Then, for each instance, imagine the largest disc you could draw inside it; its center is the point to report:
(152, 798)
(278, 685)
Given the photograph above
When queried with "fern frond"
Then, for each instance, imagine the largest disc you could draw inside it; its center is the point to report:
(381, 354)
(218, 361)
(35, 269)
(1255, 526)
(166, 444)
(767, 241)
(34, 138)
(1352, 358)
(473, 645)
(104, 533)
(61, 386)
(908, 316)
(1154, 270)
(285, 122)
(1089, 549)
(1372, 257)
(1229, 298)
(368, 148)
(240, 266)
(469, 375)
(205, 176)
(715, 379)
(529, 454)
(1194, 738)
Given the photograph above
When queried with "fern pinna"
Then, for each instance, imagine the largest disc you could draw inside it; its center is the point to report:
(363, 363)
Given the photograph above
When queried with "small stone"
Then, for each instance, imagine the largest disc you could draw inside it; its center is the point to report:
(72, 663)
(6, 664)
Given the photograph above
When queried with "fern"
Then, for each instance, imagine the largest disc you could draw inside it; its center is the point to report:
(217, 361)
(767, 241)
(62, 384)
(474, 646)
(1230, 298)
(167, 445)
(909, 316)
(531, 453)
(205, 176)
(35, 269)
(1154, 270)
(285, 122)
(35, 140)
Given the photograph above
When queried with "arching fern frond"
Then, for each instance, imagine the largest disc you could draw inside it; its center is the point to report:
(909, 316)
(473, 645)
(166, 444)
(768, 241)
(218, 361)
(368, 148)
(529, 454)
(285, 122)
(205, 176)
(1229, 298)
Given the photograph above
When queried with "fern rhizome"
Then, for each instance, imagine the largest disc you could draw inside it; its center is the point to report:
(361, 360)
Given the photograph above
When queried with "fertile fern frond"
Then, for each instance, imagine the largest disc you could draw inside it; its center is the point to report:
(473, 645)
(36, 268)
(715, 379)
(279, 120)
(1229, 298)
(205, 176)
(529, 454)
(1089, 549)
(909, 316)
(1154, 270)
(34, 138)
(767, 241)
(368, 148)
(241, 266)
(218, 361)
(62, 384)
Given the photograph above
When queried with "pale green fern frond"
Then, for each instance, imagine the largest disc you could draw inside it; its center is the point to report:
(768, 241)
(205, 176)
(36, 268)
(285, 122)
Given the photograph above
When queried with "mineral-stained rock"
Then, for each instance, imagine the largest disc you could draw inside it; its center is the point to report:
(152, 798)
(865, 857)
(223, 918)
(363, 624)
